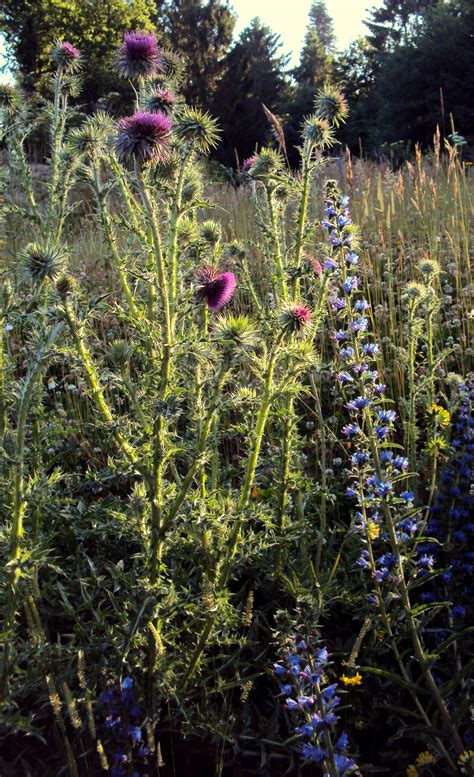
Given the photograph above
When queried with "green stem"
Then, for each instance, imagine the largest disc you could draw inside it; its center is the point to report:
(281, 282)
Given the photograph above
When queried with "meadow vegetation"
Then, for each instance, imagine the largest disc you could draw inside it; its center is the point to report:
(237, 445)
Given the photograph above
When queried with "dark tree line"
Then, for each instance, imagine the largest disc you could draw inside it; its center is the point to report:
(408, 74)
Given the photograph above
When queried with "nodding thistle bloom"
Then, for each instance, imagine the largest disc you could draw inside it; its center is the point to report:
(144, 137)
(295, 319)
(247, 164)
(43, 261)
(161, 100)
(198, 129)
(216, 289)
(331, 104)
(306, 694)
(139, 56)
(263, 165)
(66, 57)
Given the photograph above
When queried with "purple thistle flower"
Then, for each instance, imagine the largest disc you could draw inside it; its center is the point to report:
(65, 56)
(216, 288)
(144, 137)
(139, 56)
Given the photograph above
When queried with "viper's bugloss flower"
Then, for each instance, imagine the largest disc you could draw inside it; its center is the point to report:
(161, 100)
(43, 261)
(66, 57)
(144, 137)
(215, 288)
(139, 55)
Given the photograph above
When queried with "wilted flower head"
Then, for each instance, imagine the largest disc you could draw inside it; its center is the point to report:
(161, 100)
(215, 288)
(198, 129)
(139, 55)
(331, 104)
(144, 137)
(43, 261)
(65, 285)
(295, 319)
(65, 56)
(318, 132)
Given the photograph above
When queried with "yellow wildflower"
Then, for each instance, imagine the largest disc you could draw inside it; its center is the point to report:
(441, 415)
(256, 492)
(412, 771)
(355, 680)
(373, 530)
(427, 757)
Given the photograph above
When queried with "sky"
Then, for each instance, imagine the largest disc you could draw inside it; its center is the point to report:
(290, 18)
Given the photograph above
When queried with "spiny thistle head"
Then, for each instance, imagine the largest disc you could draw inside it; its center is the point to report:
(197, 128)
(266, 163)
(331, 104)
(295, 319)
(43, 261)
(317, 132)
(235, 250)
(144, 137)
(65, 285)
(119, 353)
(211, 232)
(94, 137)
(215, 288)
(173, 67)
(139, 56)
(236, 332)
(161, 100)
(66, 57)
(9, 99)
(429, 268)
(192, 186)
(247, 164)
(187, 231)
(414, 293)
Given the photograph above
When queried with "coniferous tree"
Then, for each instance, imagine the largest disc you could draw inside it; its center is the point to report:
(254, 74)
(202, 33)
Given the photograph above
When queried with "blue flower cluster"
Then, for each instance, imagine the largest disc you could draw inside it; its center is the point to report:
(121, 718)
(377, 471)
(451, 520)
(306, 694)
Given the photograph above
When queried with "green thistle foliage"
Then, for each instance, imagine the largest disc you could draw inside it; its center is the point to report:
(318, 133)
(211, 232)
(330, 104)
(198, 129)
(267, 163)
(94, 137)
(41, 262)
